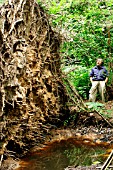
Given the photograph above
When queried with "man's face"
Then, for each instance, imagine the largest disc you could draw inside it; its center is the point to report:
(99, 62)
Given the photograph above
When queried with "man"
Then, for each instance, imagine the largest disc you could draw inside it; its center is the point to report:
(98, 78)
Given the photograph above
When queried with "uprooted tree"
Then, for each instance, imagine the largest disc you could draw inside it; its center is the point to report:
(33, 97)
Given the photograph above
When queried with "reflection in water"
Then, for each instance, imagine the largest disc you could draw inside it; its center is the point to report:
(58, 156)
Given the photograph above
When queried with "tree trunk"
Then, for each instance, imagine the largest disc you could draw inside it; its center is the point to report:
(33, 97)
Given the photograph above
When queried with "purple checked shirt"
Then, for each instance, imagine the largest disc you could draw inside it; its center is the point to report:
(99, 73)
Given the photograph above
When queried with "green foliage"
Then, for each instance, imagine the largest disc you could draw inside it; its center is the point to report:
(80, 79)
(70, 119)
(85, 26)
(88, 27)
(84, 156)
(100, 108)
(2, 1)
(95, 105)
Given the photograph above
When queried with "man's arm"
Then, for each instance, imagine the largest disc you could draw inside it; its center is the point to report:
(91, 79)
(106, 80)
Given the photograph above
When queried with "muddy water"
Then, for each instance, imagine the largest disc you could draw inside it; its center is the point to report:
(59, 155)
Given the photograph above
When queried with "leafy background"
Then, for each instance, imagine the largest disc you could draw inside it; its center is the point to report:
(87, 29)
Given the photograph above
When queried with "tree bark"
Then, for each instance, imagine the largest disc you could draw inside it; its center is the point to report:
(33, 97)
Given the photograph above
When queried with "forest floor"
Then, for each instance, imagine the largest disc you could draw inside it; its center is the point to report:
(105, 109)
(109, 107)
(109, 110)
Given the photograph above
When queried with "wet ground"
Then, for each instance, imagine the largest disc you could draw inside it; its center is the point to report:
(80, 147)
(88, 136)
(59, 155)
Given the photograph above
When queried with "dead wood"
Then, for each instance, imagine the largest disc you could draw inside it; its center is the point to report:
(33, 97)
(75, 98)
(109, 124)
(108, 161)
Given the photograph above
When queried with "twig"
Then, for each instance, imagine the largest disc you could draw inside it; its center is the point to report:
(104, 119)
(99, 167)
(75, 93)
(108, 161)
(1, 160)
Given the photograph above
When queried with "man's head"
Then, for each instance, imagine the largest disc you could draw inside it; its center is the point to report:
(99, 62)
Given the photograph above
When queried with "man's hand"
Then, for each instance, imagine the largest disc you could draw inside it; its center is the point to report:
(106, 80)
(91, 79)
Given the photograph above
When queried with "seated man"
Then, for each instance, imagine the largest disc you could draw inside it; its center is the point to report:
(98, 78)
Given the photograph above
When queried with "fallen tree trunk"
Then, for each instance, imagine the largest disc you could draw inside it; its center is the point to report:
(33, 97)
